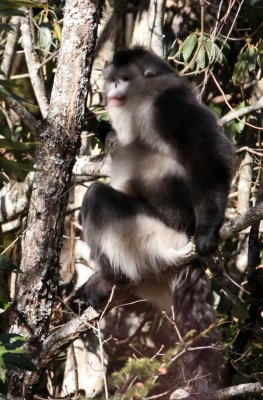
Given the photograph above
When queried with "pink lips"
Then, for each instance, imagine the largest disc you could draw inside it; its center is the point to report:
(117, 101)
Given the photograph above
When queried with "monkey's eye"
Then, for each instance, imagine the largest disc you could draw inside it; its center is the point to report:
(110, 79)
(150, 72)
(124, 78)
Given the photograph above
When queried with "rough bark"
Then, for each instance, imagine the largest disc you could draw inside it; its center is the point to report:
(60, 137)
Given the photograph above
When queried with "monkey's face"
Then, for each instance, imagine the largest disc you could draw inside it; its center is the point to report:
(134, 76)
(133, 80)
(120, 85)
(125, 87)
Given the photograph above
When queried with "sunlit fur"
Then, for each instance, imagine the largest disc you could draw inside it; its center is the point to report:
(170, 176)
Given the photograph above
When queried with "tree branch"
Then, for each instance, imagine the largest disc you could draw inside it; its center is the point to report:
(240, 113)
(33, 65)
(233, 391)
(148, 29)
(231, 228)
(14, 198)
(10, 46)
(68, 333)
(26, 117)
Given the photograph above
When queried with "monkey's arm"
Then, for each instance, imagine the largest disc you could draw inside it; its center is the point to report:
(125, 237)
(210, 172)
(193, 133)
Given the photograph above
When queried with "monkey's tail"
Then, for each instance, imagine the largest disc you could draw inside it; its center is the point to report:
(199, 369)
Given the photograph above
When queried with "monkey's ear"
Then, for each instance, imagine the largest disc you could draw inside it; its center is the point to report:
(150, 72)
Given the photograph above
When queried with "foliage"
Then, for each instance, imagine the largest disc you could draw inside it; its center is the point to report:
(12, 356)
(136, 378)
(14, 152)
(12, 8)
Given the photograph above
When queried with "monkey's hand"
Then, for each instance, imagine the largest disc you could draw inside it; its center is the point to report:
(206, 240)
(178, 257)
(95, 293)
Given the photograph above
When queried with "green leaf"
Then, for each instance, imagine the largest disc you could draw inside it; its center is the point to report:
(7, 13)
(2, 374)
(19, 360)
(15, 4)
(14, 167)
(3, 93)
(237, 126)
(252, 54)
(17, 146)
(210, 49)
(201, 57)
(45, 37)
(188, 46)
(219, 55)
(6, 265)
(239, 71)
(6, 306)
(6, 28)
(11, 341)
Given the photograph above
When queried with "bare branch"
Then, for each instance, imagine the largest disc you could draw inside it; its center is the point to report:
(14, 198)
(33, 65)
(233, 391)
(241, 112)
(254, 214)
(10, 46)
(91, 169)
(231, 228)
(66, 334)
(25, 116)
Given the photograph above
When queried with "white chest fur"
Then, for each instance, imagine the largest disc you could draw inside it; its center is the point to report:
(137, 162)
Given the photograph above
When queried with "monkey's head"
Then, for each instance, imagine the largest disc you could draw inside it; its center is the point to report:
(135, 75)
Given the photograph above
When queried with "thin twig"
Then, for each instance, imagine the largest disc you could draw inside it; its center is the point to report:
(25, 116)
(230, 107)
(102, 358)
(33, 65)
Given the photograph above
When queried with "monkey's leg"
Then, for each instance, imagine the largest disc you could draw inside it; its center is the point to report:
(95, 293)
(102, 207)
(127, 241)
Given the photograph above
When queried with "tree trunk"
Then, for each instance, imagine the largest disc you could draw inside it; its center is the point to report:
(60, 139)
